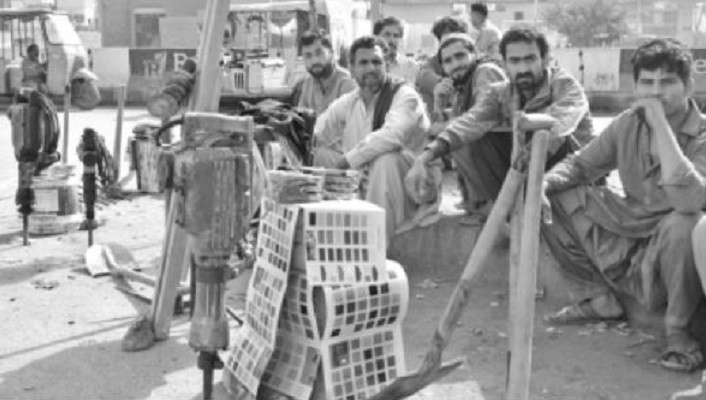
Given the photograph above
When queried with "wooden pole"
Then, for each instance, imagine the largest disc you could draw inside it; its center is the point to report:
(67, 111)
(313, 15)
(521, 345)
(176, 250)
(431, 368)
(375, 10)
(515, 238)
(117, 144)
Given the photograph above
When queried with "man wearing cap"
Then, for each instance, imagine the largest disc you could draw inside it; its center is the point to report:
(465, 77)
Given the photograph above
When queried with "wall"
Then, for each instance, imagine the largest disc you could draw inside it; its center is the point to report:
(607, 74)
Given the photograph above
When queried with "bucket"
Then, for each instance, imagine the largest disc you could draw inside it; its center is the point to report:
(144, 160)
(57, 207)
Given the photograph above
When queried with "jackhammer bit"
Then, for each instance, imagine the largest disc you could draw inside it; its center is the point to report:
(208, 361)
(24, 198)
(89, 158)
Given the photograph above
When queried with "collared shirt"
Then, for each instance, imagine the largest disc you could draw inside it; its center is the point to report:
(346, 127)
(404, 68)
(560, 96)
(318, 95)
(648, 195)
(487, 40)
(484, 75)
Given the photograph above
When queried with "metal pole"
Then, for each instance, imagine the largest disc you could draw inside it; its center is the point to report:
(67, 110)
(120, 93)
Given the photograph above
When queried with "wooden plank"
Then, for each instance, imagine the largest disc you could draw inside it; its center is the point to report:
(175, 255)
(521, 344)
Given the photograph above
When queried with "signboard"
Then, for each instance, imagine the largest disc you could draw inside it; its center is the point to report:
(150, 67)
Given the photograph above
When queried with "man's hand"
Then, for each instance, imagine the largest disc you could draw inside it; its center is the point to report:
(534, 121)
(546, 212)
(342, 164)
(436, 128)
(652, 111)
(444, 89)
(416, 180)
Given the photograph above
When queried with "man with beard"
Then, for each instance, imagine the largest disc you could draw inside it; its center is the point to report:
(378, 128)
(431, 72)
(538, 96)
(391, 30)
(638, 241)
(326, 81)
(465, 78)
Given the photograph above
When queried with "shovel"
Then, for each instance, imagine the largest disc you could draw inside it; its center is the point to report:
(431, 368)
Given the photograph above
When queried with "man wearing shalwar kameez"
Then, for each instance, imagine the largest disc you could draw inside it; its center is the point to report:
(540, 97)
(379, 128)
(637, 243)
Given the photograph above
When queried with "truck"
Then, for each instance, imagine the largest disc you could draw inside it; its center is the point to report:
(261, 44)
(59, 45)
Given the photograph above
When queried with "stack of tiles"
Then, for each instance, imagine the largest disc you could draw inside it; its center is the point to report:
(324, 307)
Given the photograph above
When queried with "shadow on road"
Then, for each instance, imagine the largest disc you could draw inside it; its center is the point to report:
(96, 371)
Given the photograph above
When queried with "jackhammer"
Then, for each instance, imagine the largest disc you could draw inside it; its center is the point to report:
(89, 158)
(211, 188)
(35, 134)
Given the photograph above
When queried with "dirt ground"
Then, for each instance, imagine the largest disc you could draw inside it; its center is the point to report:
(61, 329)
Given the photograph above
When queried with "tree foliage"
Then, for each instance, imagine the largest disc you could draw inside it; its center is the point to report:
(587, 23)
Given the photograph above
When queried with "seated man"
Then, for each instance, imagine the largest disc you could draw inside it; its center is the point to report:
(638, 243)
(326, 81)
(465, 78)
(34, 73)
(431, 72)
(390, 29)
(379, 127)
(539, 96)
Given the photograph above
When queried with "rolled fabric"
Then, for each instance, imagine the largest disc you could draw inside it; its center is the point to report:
(338, 184)
(287, 187)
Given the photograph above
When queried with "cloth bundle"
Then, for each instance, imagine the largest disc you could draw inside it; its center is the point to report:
(288, 187)
(337, 184)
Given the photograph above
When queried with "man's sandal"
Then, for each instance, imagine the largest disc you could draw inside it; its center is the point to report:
(579, 314)
(683, 354)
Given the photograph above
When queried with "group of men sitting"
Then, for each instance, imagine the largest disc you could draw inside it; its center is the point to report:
(394, 120)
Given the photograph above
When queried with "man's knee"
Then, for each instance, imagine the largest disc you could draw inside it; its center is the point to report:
(698, 234)
(679, 227)
(390, 164)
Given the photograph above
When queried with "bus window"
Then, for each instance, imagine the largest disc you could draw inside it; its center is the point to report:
(250, 31)
(17, 34)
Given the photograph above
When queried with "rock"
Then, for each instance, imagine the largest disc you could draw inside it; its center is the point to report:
(139, 336)
(42, 284)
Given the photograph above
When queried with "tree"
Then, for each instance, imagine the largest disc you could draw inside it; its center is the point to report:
(588, 23)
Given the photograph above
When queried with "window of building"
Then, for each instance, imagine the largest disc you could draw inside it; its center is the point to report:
(519, 15)
(145, 32)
